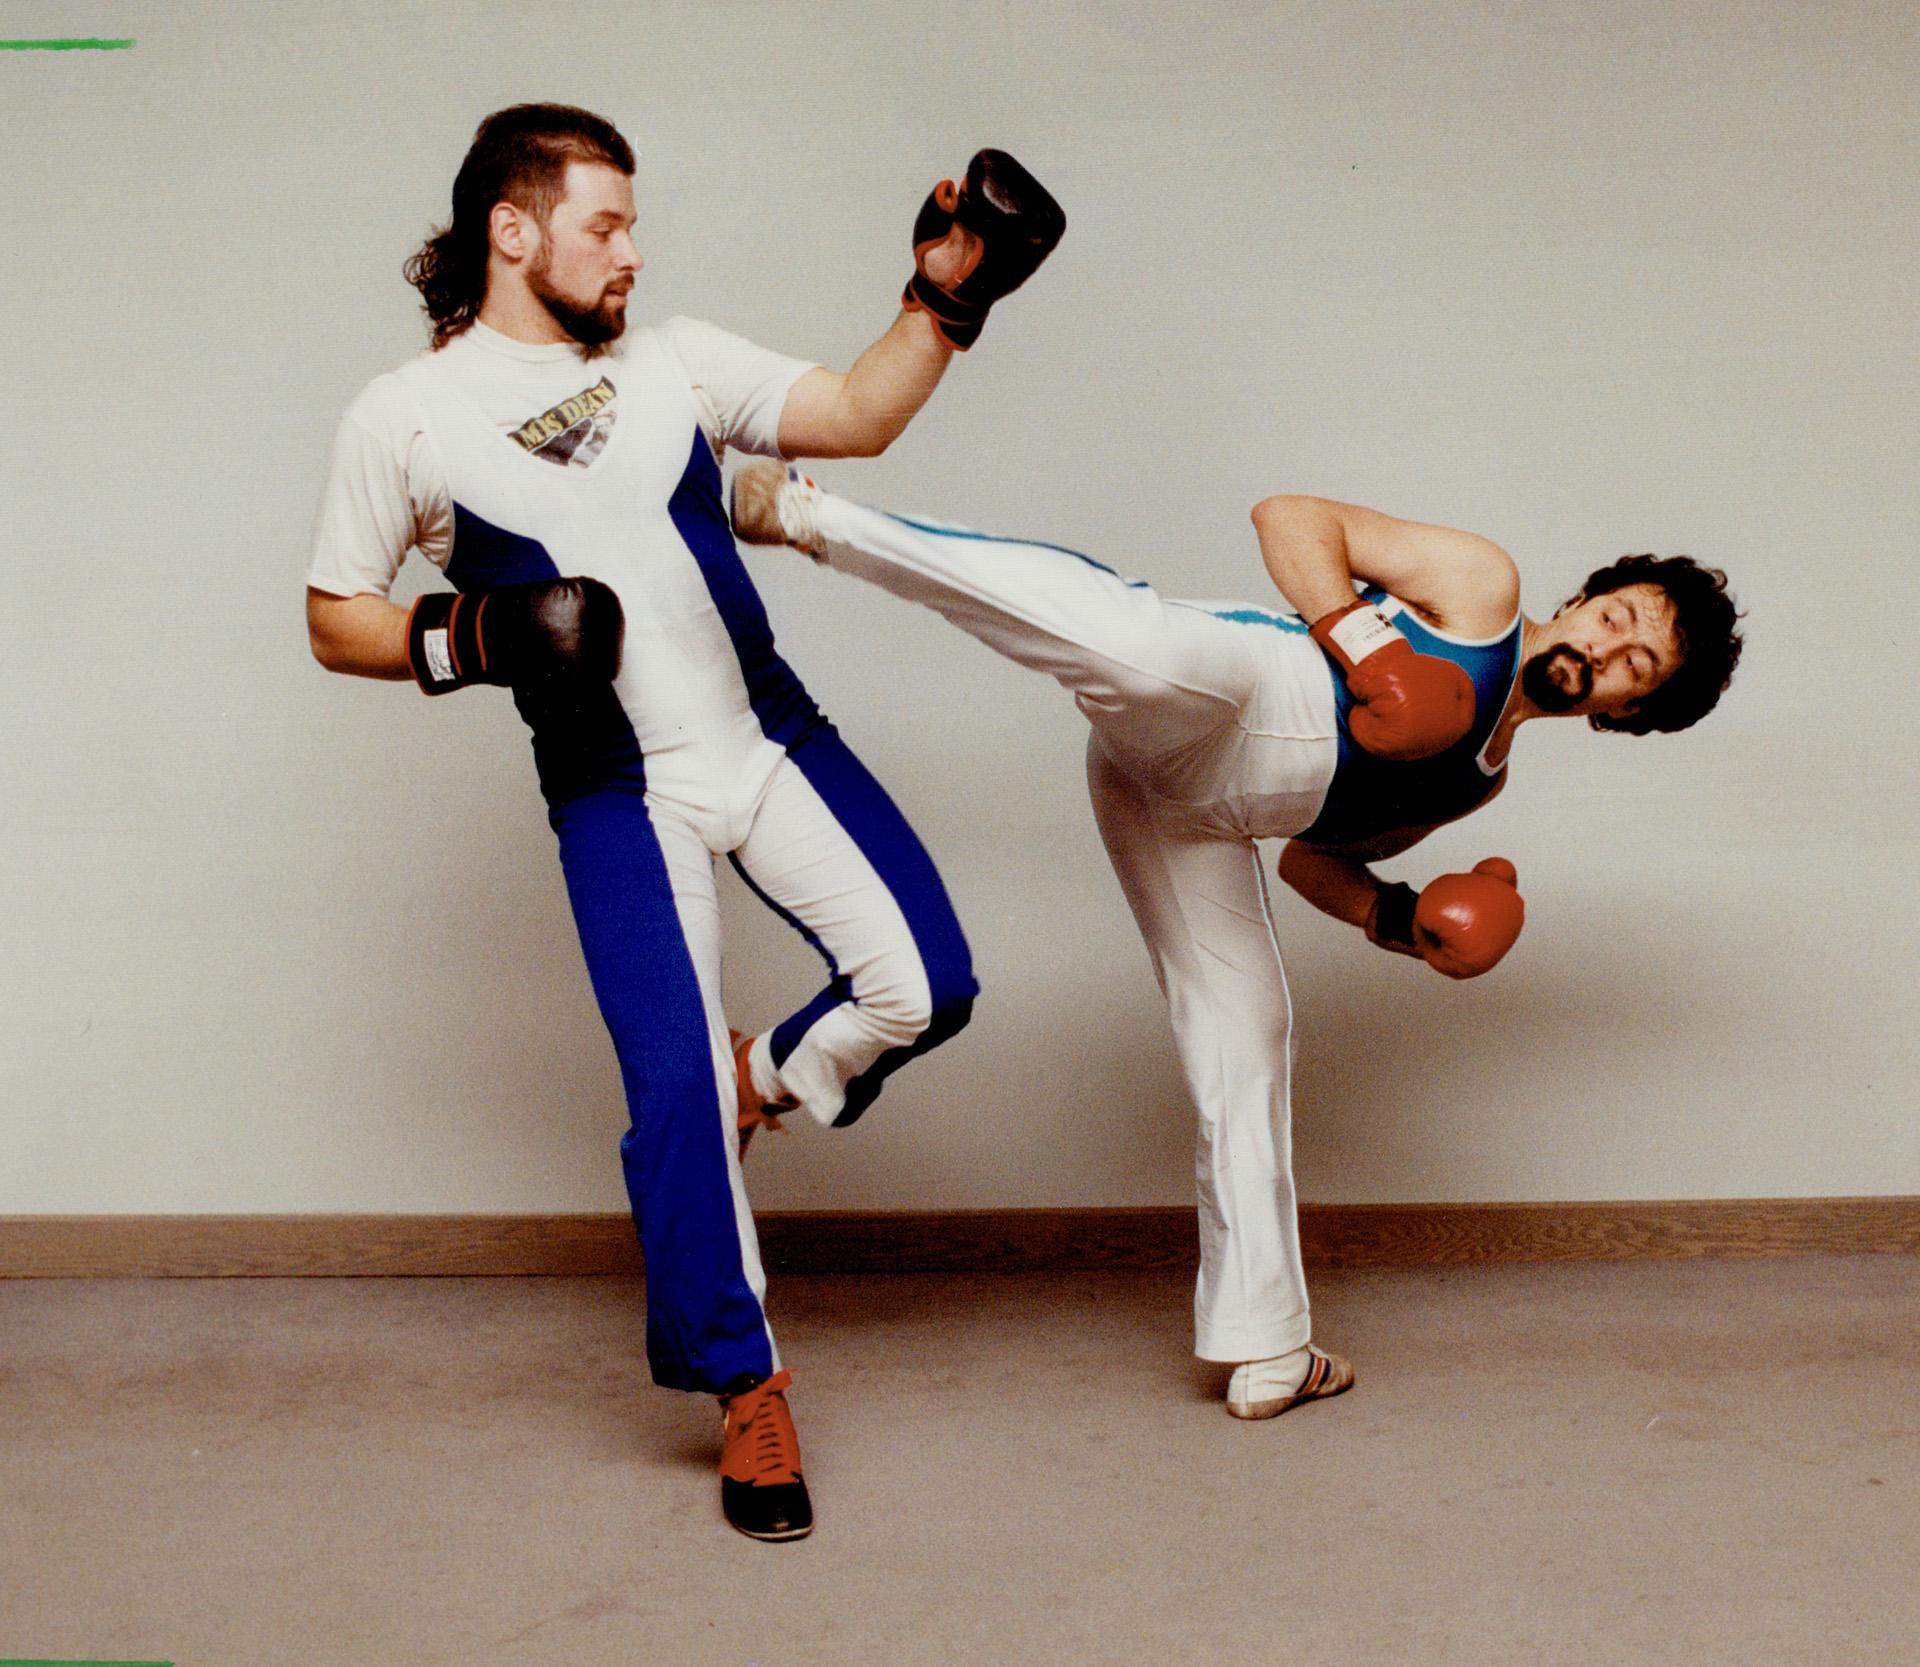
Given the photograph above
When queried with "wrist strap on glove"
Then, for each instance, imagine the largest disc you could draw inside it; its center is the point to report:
(1390, 924)
(1351, 633)
(444, 647)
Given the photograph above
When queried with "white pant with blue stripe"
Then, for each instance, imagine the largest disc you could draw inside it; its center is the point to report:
(1211, 727)
(825, 847)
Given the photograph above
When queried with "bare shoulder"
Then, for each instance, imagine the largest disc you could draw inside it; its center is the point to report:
(1476, 586)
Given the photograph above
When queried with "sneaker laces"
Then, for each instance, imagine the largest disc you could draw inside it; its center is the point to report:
(761, 1446)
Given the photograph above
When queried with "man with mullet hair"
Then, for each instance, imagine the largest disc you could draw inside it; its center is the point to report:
(564, 472)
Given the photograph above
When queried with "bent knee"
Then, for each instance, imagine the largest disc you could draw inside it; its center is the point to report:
(951, 988)
(913, 999)
(950, 1016)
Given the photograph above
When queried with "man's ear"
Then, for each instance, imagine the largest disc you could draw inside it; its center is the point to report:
(512, 231)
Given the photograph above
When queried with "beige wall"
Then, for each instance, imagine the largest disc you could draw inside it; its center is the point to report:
(1585, 279)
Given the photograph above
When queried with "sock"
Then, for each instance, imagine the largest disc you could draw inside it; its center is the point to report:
(1272, 1379)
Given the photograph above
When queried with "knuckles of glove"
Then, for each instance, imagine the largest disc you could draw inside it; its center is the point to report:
(1464, 924)
(1408, 705)
(560, 630)
(1015, 222)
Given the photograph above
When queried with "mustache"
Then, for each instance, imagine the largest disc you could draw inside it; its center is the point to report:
(1546, 690)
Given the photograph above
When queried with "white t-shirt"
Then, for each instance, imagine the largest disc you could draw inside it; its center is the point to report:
(504, 461)
(387, 490)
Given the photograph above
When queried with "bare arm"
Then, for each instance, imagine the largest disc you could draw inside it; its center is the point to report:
(999, 225)
(1314, 548)
(859, 413)
(364, 636)
(1337, 880)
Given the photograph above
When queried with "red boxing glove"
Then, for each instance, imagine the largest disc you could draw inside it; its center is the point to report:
(1406, 705)
(1461, 925)
(1464, 923)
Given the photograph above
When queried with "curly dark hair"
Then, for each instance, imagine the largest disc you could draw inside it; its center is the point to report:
(519, 155)
(1703, 621)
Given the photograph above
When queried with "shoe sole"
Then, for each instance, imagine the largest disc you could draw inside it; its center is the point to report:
(773, 1539)
(1329, 1375)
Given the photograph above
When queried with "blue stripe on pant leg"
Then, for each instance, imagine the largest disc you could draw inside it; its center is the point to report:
(882, 835)
(705, 1328)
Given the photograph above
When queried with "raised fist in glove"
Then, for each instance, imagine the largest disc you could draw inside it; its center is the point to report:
(1015, 223)
(1460, 925)
(533, 637)
(1406, 705)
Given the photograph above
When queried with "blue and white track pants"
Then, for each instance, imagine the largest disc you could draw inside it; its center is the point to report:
(824, 846)
(1211, 727)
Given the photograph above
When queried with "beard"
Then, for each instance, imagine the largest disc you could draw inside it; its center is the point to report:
(1539, 684)
(592, 327)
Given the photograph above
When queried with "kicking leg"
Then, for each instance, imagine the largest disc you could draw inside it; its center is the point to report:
(1152, 677)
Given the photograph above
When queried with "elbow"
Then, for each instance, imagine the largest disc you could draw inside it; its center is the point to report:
(323, 651)
(325, 641)
(846, 442)
(1273, 508)
(872, 439)
(868, 428)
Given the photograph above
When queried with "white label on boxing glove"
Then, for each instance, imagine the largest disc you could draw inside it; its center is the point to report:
(439, 656)
(1361, 632)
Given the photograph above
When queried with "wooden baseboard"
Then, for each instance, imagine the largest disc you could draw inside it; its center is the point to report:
(944, 1241)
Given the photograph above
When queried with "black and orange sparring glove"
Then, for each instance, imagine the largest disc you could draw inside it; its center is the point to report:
(1406, 705)
(1017, 222)
(536, 636)
(1461, 924)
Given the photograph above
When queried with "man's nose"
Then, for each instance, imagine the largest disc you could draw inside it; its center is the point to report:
(1598, 639)
(1590, 649)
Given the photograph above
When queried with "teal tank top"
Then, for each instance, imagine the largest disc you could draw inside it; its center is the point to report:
(1371, 795)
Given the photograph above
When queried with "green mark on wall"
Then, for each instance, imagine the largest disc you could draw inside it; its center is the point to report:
(88, 44)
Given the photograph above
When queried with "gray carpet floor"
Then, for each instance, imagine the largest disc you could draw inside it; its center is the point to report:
(1700, 1463)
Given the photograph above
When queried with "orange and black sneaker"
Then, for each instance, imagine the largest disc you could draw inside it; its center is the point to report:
(761, 1488)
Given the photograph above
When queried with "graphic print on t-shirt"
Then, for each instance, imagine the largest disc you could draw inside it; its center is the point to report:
(574, 431)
